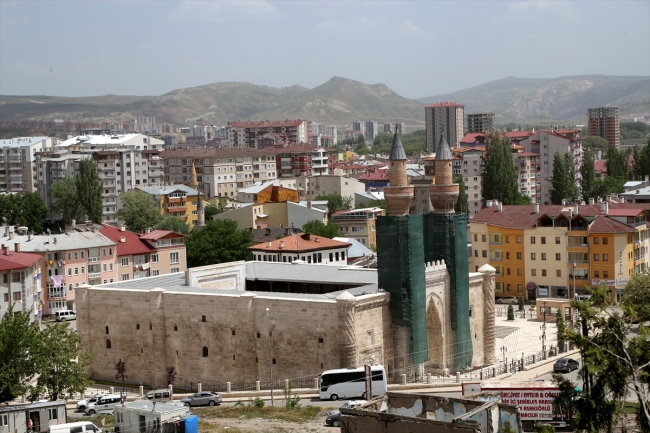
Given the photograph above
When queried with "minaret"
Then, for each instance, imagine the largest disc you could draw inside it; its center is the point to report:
(194, 184)
(200, 221)
(399, 195)
(444, 193)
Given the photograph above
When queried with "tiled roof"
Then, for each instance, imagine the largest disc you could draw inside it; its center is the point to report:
(17, 260)
(132, 244)
(518, 134)
(375, 176)
(444, 104)
(266, 124)
(154, 190)
(472, 137)
(302, 242)
(157, 234)
(632, 212)
(600, 165)
(608, 225)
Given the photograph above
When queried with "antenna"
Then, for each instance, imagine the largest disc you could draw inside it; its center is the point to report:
(49, 231)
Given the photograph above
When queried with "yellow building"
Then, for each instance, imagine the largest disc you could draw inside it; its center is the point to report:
(556, 251)
(176, 200)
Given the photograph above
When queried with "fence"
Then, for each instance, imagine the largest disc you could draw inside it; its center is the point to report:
(305, 382)
(526, 313)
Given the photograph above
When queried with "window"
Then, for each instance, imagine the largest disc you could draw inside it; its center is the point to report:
(520, 288)
(543, 256)
(518, 239)
(558, 256)
(475, 253)
(508, 255)
(108, 344)
(605, 257)
(106, 330)
(155, 273)
(483, 238)
(533, 256)
(557, 240)
(110, 267)
(605, 274)
(173, 257)
(484, 253)
(558, 273)
(533, 272)
(125, 277)
(475, 236)
(596, 257)
(53, 414)
(154, 258)
(125, 261)
(76, 271)
(83, 270)
(519, 256)
(605, 240)
(507, 239)
(174, 270)
(596, 241)
(205, 352)
(508, 271)
(4, 420)
(532, 239)
(543, 239)
(519, 271)
(596, 274)
(69, 272)
(543, 272)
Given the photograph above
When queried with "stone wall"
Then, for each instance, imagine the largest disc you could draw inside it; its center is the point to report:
(373, 325)
(477, 319)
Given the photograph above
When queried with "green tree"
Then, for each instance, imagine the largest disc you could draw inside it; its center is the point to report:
(520, 303)
(641, 166)
(174, 224)
(588, 176)
(561, 331)
(595, 142)
(511, 312)
(120, 375)
(608, 185)
(374, 203)
(563, 184)
(19, 340)
(210, 211)
(61, 362)
(500, 177)
(336, 202)
(616, 163)
(89, 190)
(65, 200)
(316, 227)
(30, 211)
(219, 241)
(139, 210)
(615, 357)
(461, 203)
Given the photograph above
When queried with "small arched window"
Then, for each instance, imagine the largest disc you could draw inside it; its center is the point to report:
(205, 352)
(106, 330)
(108, 343)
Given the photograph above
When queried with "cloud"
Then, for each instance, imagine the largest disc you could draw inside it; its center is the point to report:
(533, 10)
(191, 11)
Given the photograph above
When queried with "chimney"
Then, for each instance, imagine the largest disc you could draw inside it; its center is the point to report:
(591, 200)
(268, 231)
(54, 240)
(73, 223)
(11, 235)
(6, 230)
(316, 240)
(500, 207)
(609, 199)
(576, 209)
(122, 228)
(281, 244)
(571, 213)
(622, 200)
(606, 208)
(122, 239)
(286, 231)
(6, 250)
(269, 244)
(563, 202)
(646, 178)
(536, 207)
(17, 247)
(309, 204)
(29, 236)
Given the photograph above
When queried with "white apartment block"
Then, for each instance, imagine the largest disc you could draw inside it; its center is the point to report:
(332, 131)
(447, 118)
(328, 185)
(17, 156)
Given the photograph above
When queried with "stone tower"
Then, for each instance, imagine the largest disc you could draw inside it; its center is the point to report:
(194, 184)
(399, 195)
(200, 221)
(444, 193)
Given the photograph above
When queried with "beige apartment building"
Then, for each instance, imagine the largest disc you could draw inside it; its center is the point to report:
(446, 118)
(17, 156)
(314, 186)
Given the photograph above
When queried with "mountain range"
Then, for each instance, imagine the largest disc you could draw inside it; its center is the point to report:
(341, 101)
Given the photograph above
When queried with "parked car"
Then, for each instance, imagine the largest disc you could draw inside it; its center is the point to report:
(81, 404)
(507, 300)
(104, 403)
(202, 398)
(334, 417)
(566, 365)
(74, 427)
(158, 395)
(62, 315)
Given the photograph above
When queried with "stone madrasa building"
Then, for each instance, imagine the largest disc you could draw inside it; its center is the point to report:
(420, 311)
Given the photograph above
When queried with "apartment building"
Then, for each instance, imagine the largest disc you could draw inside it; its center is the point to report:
(304, 160)
(17, 156)
(176, 200)
(138, 256)
(20, 282)
(306, 247)
(556, 251)
(331, 131)
(246, 134)
(545, 144)
(274, 214)
(80, 255)
(328, 185)
(444, 118)
(604, 122)
(479, 122)
(359, 126)
(359, 224)
(371, 131)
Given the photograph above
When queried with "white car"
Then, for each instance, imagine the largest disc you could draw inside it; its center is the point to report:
(81, 404)
(104, 403)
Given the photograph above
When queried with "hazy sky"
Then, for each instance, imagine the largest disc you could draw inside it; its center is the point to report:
(421, 48)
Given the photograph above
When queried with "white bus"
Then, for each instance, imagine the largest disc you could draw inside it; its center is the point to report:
(351, 382)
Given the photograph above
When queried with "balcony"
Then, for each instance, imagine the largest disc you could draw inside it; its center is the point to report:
(578, 262)
(53, 294)
(93, 259)
(95, 275)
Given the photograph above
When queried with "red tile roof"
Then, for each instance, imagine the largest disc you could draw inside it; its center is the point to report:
(600, 165)
(158, 234)
(444, 104)
(472, 137)
(302, 242)
(625, 212)
(375, 176)
(17, 260)
(608, 225)
(132, 244)
(518, 134)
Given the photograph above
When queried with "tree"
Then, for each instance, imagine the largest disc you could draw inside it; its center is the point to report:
(174, 224)
(89, 190)
(65, 200)
(595, 142)
(336, 202)
(616, 359)
(616, 163)
(608, 185)
(374, 203)
(316, 227)
(210, 211)
(461, 203)
(30, 211)
(561, 331)
(120, 368)
(170, 375)
(19, 340)
(563, 180)
(520, 303)
(588, 176)
(219, 241)
(139, 210)
(641, 158)
(61, 362)
(499, 177)
(511, 312)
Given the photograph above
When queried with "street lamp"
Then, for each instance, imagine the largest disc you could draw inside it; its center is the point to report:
(268, 328)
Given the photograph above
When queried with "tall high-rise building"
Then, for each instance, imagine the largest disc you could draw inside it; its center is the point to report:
(359, 126)
(444, 118)
(371, 130)
(604, 122)
(479, 122)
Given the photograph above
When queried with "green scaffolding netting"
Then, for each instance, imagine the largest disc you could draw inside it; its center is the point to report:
(400, 257)
(445, 238)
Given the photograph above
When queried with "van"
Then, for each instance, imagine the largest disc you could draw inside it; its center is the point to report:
(74, 427)
(158, 395)
(62, 315)
(105, 403)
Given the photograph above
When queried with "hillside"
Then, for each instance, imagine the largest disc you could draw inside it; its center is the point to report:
(563, 98)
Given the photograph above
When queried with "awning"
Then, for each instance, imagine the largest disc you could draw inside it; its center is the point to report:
(531, 286)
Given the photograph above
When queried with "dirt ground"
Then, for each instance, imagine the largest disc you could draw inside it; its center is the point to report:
(243, 425)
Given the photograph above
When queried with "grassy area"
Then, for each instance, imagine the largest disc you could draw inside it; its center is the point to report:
(629, 408)
(302, 414)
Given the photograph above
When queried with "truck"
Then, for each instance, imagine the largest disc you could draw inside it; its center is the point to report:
(533, 399)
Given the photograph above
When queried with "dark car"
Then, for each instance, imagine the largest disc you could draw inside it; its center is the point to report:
(202, 398)
(334, 418)
(565, 365)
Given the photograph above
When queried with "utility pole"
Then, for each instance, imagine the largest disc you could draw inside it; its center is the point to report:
(544, 331)
(574, 281)
(268, 328)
